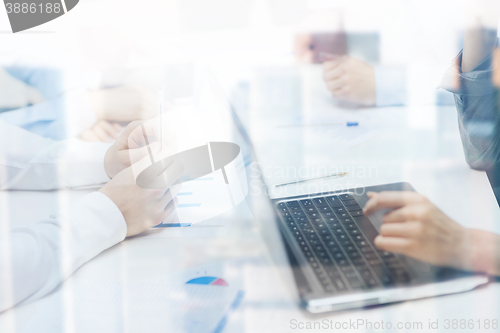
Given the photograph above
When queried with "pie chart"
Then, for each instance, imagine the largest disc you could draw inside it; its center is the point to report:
(28, 14)
(208, 280)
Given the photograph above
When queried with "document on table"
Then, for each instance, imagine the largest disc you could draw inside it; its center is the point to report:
(205, 208)
(340, 137)
(217, 226)
(197, 300)
(199, 200)
(237, 295)
(264, 293)
(156, 307)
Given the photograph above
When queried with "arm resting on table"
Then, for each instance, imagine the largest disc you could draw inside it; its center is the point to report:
(37, 257)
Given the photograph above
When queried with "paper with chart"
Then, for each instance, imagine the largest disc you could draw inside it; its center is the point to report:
(210, 195)
(203, 142)
(146, 307)
(191, 301)
(225, 296)
(192, 196)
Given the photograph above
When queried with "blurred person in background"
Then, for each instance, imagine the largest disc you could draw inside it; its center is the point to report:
(397, 62)
(54, 104)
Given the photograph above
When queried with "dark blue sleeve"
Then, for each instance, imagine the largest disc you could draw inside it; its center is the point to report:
(476, 100)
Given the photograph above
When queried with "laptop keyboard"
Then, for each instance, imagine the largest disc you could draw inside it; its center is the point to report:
(328, 233)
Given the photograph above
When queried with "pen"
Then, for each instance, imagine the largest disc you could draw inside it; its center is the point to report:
(333, 175)
(348, 124)
(160, 112)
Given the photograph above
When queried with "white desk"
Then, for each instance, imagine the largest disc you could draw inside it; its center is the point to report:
(428, 155)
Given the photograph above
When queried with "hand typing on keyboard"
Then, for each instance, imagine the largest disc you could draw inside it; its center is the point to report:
(417, 228)
(341, 255)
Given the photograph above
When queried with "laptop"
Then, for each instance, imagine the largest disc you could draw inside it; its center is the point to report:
(322, 245)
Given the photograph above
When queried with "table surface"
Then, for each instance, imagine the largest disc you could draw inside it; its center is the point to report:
(420, 145)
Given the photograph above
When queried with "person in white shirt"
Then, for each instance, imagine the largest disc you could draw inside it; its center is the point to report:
(36, 258)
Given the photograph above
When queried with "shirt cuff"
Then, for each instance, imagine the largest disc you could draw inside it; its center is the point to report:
(390, 85)
(477, 82)
(96, 224)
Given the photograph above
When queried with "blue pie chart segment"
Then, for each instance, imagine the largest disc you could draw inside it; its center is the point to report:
(208, 280)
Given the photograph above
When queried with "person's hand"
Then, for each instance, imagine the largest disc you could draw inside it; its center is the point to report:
(102, 131)
(124, 103)
(142, 208)
(132, 145)
(350, 79)
(302, 46)
(418, 229)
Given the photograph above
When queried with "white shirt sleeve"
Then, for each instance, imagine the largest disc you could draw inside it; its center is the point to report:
(31, 162)
(36, 258)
